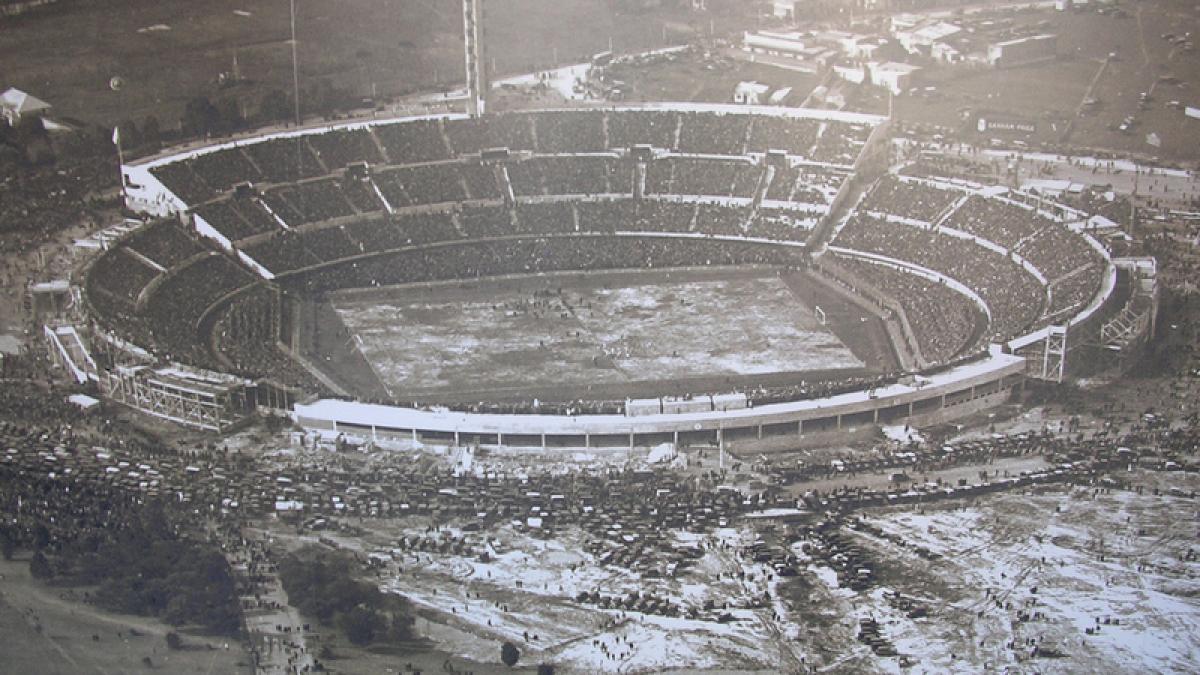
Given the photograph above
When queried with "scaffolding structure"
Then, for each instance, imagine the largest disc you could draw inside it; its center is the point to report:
(208, 405)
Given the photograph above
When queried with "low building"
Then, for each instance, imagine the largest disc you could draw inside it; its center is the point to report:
(16, 104)
(1023, 51)
(750, 93)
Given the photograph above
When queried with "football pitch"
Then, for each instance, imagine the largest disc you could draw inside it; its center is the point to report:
(615, 331)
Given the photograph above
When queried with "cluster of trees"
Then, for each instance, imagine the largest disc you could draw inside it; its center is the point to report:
(146, 567)
(318, 583)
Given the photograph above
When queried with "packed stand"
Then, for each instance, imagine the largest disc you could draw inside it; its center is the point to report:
(569, 132)
(343, 147)
(941, 318)
(285, 160)
(413, 142)
(165, 243)
(916, 200)
(505, 130)
(1014, 296)
(713, 133)
(222, 169)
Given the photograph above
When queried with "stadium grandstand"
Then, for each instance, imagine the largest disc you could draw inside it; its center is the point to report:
(976, 287)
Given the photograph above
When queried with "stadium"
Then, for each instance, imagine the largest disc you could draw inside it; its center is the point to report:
(592, 277)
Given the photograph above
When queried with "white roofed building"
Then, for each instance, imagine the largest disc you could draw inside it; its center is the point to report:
(15, 104)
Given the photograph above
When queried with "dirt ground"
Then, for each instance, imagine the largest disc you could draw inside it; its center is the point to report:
(48, 630)
(640, 327)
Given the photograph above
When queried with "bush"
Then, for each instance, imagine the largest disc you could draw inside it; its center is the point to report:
(509, 654)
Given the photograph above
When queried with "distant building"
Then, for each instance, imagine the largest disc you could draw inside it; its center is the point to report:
(750, 93)
(784, 9)
(919, 39)
(16, 104)
(1023, 50)
(893, 76)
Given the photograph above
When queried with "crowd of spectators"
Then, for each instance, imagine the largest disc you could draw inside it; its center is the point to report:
(340, 148)
(35, 205)
(285, 160)
(564, 133)
(713, 133)
(1014, 296)
(413, 142)
(1005, 224)
(506, 130)
(916, 200)
(238, 218)
(246, 334)
(583, 175)
(942, 320)
(164, 242)
(702, 177)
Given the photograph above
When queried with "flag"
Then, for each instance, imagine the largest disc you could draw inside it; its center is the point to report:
(116, 135)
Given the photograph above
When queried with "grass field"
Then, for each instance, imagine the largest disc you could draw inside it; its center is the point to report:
(168, 51)
(622, 329)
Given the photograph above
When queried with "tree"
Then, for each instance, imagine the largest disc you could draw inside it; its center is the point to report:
(275, 106)
(509, 654)
(201, 117)
(174, 641)
(359, 625)
(7, 545)
(39, 567)
(151, 133)
(545, 669)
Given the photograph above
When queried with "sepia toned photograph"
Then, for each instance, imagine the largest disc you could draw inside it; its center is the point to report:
(475, 337)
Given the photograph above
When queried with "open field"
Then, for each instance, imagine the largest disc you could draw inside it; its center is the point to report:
(168, 51)
(593, 329)
(48, 630)
(1051, 93)
(1039, 568)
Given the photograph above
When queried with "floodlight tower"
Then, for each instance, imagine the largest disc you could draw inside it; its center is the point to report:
(473, 47)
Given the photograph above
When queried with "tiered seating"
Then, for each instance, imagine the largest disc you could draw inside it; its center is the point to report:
(796, 136)
(425, 184)
(316, 201)
(996, 221)
(175, 308)
(474, 259)
(915, 200)
(568, 176)
(642, 127)
(284, 160)
(121, 276)
(1004, 285)
(164, 243)
(569, 132)
(330, 243)
(283, 252)
(413, 142)
(341, 148)
(545, 218)
(701, 177)
(782, 225)
(223, 169)
(840, 142)
(183, 182)
(425, 228)
(713, 133)
(226, 218)
(510, 130)
(246, 336)
(378, 234)
(480, 180)
(361, 195)
(942, 319)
